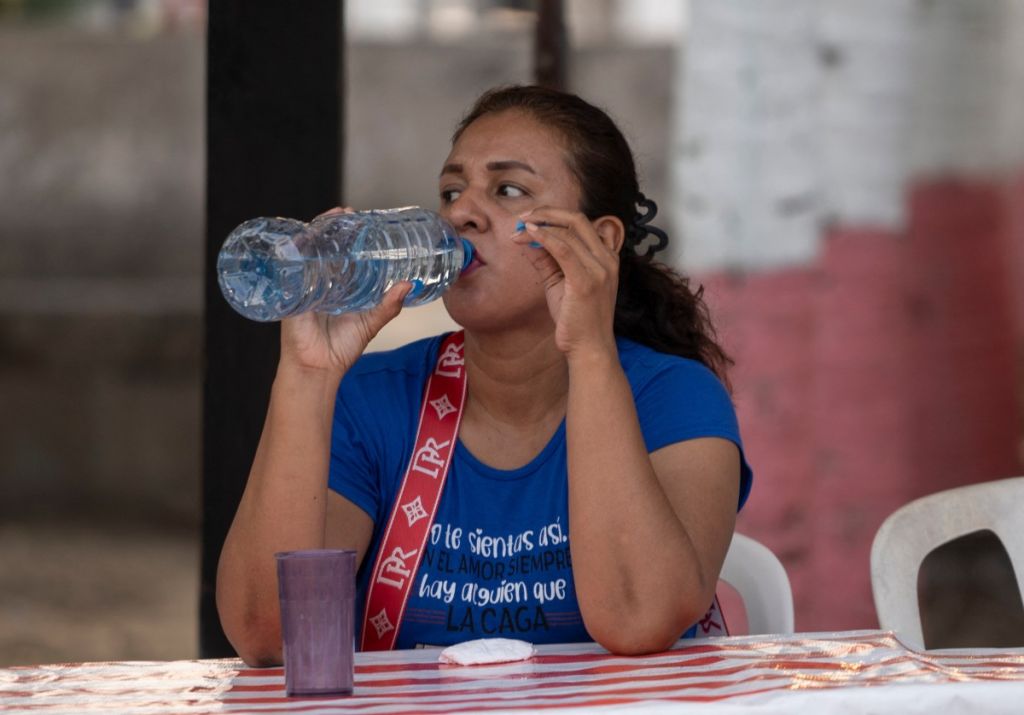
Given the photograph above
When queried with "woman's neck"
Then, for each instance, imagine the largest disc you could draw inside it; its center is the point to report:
(516, 379)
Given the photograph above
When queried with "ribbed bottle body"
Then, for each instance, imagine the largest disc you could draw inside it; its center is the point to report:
(367, 253)
(273, 268)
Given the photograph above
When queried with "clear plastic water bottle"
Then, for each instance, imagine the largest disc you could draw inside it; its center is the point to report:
(273, 268)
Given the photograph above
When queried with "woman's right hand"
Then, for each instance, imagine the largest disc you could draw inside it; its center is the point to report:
(334, 342)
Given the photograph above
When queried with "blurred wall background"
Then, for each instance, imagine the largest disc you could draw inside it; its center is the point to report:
(846, 175)
(101, 240)
(846, 179)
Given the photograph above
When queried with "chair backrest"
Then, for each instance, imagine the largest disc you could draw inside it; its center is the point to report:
(761, 581)
(913, 531)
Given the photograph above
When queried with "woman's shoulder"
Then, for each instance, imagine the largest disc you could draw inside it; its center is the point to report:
(416, 357)
(384, 376)
(642, 364)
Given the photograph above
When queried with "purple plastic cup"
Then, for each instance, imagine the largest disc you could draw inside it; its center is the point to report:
(317, 590)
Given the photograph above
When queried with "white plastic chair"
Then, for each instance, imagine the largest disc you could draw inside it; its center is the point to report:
(761, 581)
(913, 531)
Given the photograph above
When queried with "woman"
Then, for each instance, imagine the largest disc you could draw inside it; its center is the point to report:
(598, 467)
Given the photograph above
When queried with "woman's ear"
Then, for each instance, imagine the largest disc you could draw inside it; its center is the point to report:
(611, 231)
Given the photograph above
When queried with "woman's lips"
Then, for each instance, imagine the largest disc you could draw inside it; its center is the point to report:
(474, 264)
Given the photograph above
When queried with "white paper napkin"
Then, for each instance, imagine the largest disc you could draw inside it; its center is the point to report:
(487, 650)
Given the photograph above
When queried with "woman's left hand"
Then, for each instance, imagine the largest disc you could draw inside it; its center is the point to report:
(580, 271)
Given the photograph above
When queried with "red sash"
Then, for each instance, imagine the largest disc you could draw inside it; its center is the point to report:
(401, 549)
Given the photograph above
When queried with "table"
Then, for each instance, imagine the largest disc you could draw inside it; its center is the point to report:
(853, 671)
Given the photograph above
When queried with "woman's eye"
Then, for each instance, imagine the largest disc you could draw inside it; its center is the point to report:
(510, 191)
(449, 196)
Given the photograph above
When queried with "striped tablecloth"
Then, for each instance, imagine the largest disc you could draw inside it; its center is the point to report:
(838, 672)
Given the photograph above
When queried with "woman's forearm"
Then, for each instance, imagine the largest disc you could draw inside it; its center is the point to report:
(283, 508)
(639, 578)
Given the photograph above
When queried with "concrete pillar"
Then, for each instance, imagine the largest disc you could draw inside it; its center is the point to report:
(963, 346)
(862, 461)
(744, 192)
(1012, 133)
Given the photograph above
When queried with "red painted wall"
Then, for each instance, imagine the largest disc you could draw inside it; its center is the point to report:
(885, 371)
(1014, 250)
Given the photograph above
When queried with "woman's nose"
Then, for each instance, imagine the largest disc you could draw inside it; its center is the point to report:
(466, 213)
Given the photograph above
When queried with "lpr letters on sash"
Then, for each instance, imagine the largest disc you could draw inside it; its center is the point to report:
(429, 459)
(395, 565)
(450, 361)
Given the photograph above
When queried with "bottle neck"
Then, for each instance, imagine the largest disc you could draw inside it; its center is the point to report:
(467, 252)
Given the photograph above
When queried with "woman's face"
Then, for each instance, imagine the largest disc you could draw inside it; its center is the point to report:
(502, 166)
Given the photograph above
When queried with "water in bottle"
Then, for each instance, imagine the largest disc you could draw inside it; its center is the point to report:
(273, 268)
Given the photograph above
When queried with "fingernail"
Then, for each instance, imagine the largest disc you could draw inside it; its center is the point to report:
(417, 286)
(520, 227)
(534, 244)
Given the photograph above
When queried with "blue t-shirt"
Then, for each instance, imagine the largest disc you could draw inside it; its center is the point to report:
(497, 563)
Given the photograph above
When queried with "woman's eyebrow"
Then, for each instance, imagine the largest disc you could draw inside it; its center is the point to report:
(504, 165)
(509, 164)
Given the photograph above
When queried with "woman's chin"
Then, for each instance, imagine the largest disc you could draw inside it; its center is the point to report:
(470, 315)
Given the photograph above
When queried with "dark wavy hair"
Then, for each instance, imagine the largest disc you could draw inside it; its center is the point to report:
(655, 304)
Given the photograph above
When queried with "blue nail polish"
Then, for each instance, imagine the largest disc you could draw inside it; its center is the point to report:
(534, 244)
(520, 226)
(417, 286)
